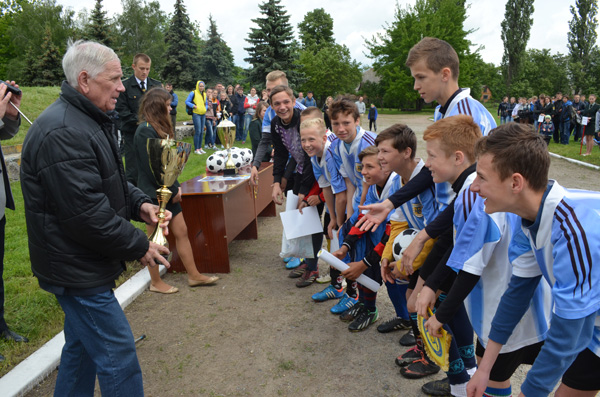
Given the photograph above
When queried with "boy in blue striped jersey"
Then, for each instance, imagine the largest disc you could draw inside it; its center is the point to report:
(561, 226)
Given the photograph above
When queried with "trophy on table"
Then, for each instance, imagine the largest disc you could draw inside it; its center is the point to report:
(167, 158)
(226, 133)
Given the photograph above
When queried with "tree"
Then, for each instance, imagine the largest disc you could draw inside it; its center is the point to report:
(542, 73)
(47, 70)
(98, 28)
(181, 55)
(316, 29)
(271, 45)
(443, 19)
(516, 28)
(216, 58)
(582, 41)
(25, 38)
(329, 71)
(141, 28)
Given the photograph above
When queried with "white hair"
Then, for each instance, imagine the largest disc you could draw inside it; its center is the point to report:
(85, 55)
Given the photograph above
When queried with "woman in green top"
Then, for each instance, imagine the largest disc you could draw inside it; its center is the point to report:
(155, 122)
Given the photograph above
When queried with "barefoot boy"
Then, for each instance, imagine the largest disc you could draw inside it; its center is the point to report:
(562, 228)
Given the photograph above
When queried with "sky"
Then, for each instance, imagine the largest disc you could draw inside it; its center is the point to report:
(355, 21)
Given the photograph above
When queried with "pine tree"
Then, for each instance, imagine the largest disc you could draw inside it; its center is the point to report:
(516, 29)
(47, 70)
(216, 58)
(99, 28)
(316, 29)
(181, 57)
(272, 45)
(582, 41)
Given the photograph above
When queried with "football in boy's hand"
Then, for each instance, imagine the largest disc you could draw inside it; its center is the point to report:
(402, 241)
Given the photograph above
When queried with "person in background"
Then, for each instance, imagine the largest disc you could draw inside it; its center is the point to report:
(362, 108)
(250, 105)
(197, 101)
(155, 123)
(372, 118)
(503, 111)
(264, 96)
(239, 112)
(590, 112)
(9, 126)
(300, 98)
(127, 107)
(326, 112)
(174, 102)
(255, 129)
(309, 100)
(547, 128)
(212, 108)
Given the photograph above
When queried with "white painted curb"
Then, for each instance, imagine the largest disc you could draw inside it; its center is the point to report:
(35, 368)
(570, 160)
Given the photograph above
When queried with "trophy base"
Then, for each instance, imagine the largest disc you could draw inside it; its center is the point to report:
(230, 171)
(168, 257)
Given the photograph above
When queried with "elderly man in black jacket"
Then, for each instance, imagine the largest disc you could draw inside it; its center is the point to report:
(78, 205)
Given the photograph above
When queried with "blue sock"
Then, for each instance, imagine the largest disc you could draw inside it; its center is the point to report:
(493, 392)
(397, 294)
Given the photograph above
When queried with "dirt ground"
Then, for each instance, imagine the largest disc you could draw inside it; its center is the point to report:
(256, 334)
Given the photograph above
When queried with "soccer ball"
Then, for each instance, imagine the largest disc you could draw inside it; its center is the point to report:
(215, 163)
(402, 241)
(246, 156)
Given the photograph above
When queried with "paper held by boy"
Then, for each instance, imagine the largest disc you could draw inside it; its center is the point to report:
(296, 224)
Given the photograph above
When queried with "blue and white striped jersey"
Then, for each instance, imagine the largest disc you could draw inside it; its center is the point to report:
(419, 210)
(564, 238)
(462, 103)
(481, 248)
(324, 168)
(347, 160)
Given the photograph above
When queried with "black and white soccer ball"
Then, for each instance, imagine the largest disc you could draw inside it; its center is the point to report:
(246, 156)
(215, 163)
(402, 241)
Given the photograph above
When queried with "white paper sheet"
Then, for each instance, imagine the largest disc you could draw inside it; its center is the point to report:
(584, 120)
(291, 202)
(297, 225)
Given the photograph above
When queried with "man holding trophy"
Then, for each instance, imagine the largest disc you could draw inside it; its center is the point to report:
(78, 206)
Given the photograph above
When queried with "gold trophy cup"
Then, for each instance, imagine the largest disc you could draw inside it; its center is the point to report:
(167, 159)
(226, 133)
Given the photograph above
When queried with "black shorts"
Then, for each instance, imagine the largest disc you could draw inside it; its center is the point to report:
(175, 208)
(412, 280)
(584, 373)
(507, 363)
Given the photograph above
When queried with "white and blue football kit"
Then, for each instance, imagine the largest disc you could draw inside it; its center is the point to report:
(347, 161)
(481, 248)
(419, 210)
(564, 239)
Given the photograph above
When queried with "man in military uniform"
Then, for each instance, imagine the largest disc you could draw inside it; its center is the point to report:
(128, 105)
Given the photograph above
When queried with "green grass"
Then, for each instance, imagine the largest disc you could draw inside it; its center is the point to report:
(572, 151)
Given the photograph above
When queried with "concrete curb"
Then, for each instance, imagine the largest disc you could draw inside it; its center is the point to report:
(35, 368)
(570, 160)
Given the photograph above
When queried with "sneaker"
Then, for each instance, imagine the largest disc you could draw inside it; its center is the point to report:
(344, 304)
(197, 151)
(352, 313)
(299, 271)
(200, 151)
(394, 324)
(292, 264)
(408, 339)
(287, 259)
(307, 279)
(324, 279)
(409, 356)
(419, 369)
(328, 293)
(596, 142)
(365, 318)
(440, 387)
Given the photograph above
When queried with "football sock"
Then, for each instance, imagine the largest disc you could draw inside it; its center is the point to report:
(459, 390)
(397, 294)
(336, 277)
(494, 392)
(351, 289)
(367, 297)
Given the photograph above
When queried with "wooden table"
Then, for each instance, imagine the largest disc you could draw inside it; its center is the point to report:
(218, 212)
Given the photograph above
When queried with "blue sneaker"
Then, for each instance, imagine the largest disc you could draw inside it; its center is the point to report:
(328, 293)
(293, 263)
(344, 304)
(288, 258)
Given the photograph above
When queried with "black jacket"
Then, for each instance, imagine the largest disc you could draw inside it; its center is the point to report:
(77, 201)
(128, 103)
